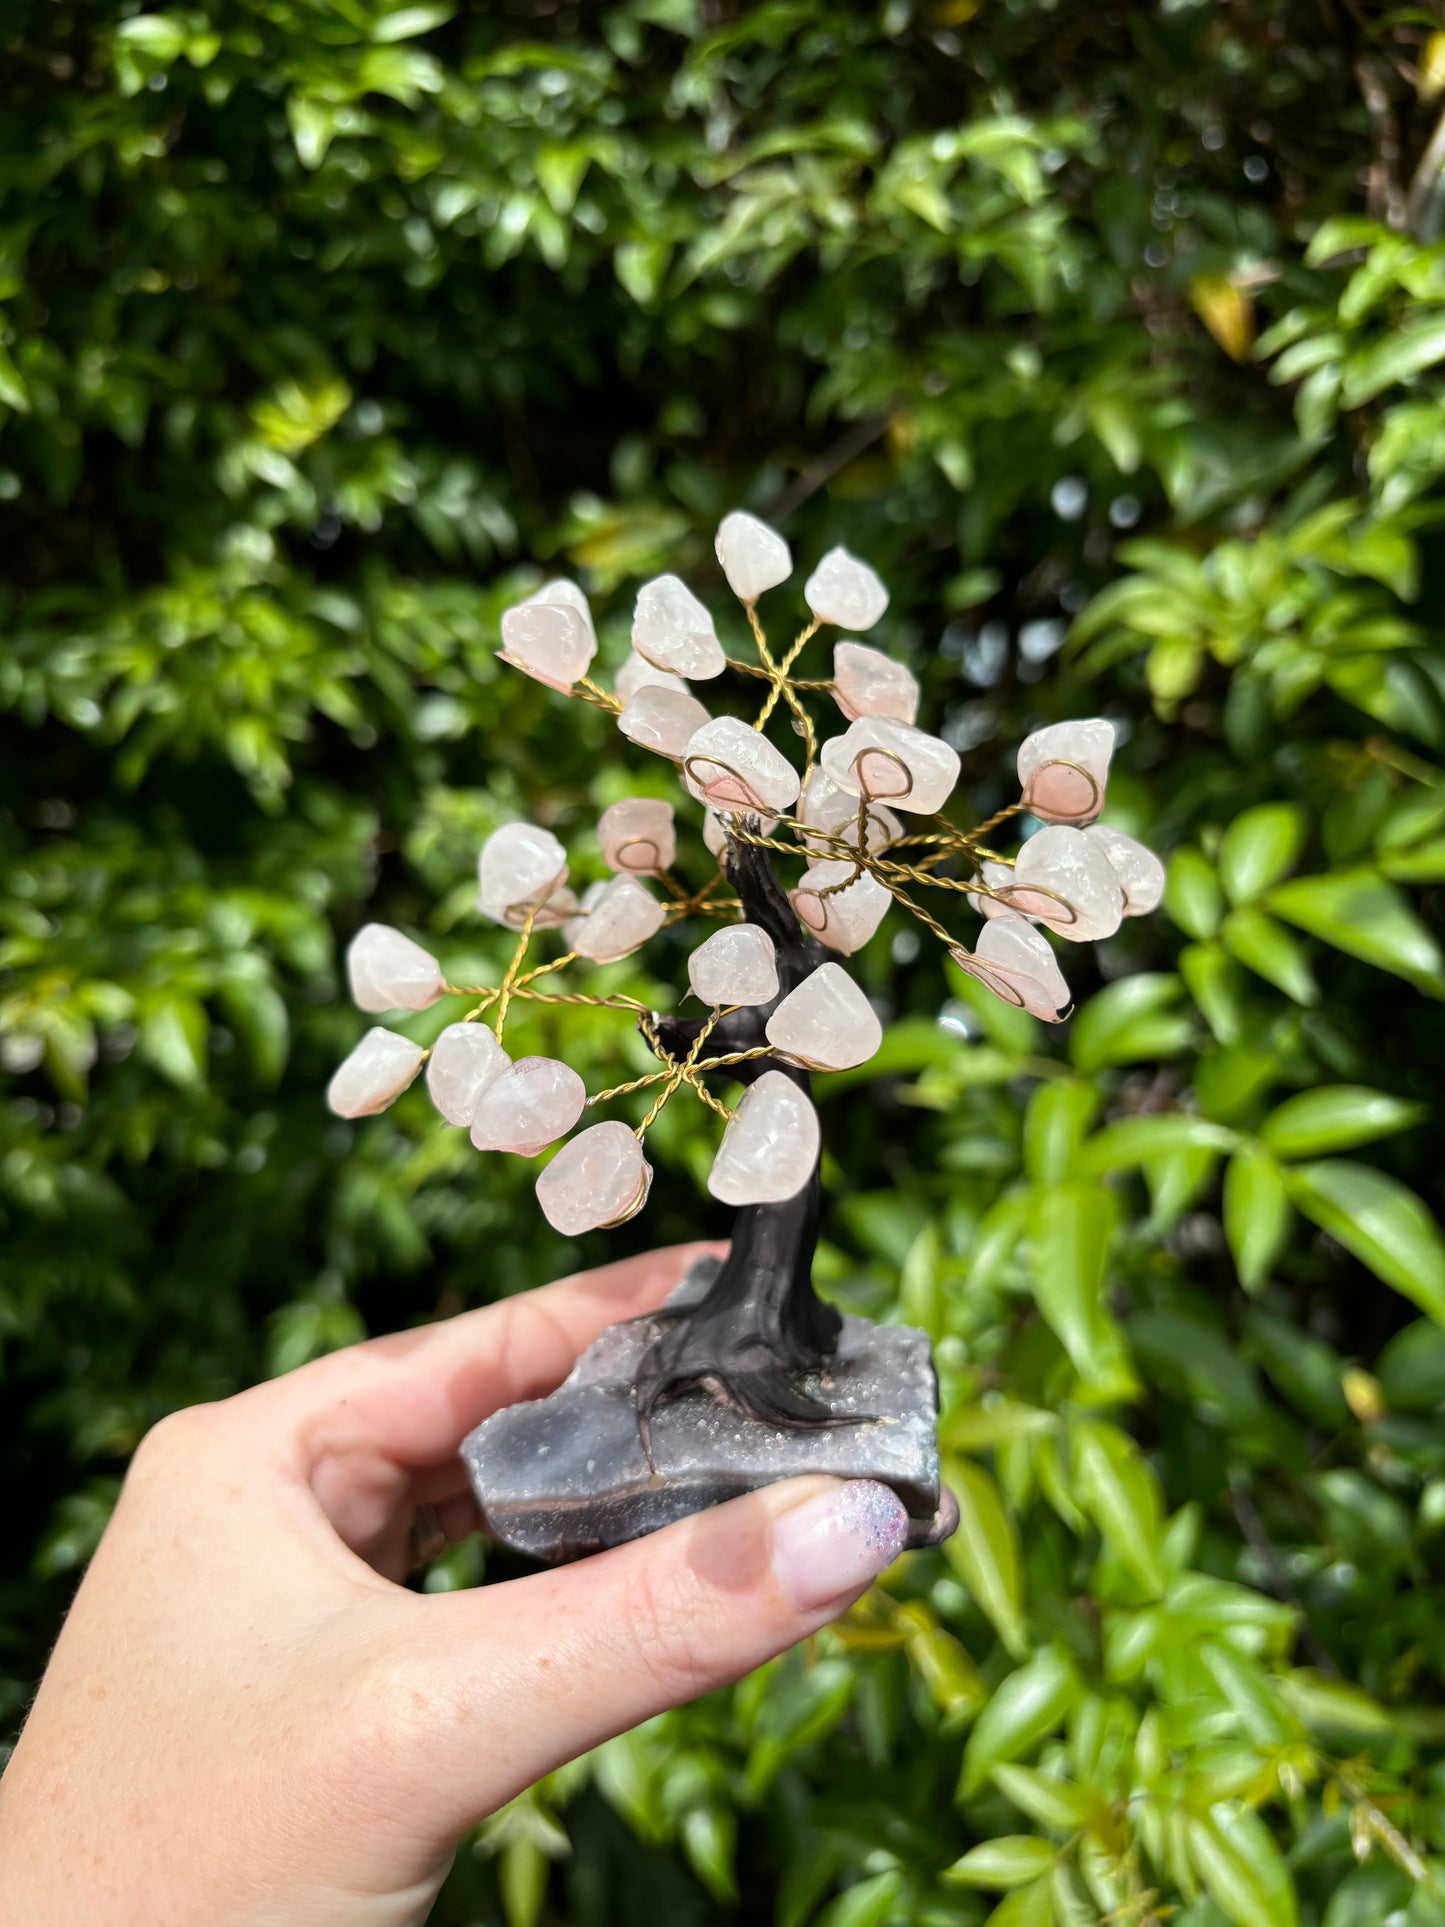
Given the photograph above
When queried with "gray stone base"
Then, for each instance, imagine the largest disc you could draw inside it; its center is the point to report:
(566, 1475)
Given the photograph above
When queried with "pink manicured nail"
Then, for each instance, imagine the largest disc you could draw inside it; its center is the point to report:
(830, 1547)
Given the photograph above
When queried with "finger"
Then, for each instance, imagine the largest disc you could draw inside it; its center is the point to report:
(412, 1397)
(548, 1666)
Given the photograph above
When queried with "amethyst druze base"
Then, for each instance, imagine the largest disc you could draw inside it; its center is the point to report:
(563, 1476)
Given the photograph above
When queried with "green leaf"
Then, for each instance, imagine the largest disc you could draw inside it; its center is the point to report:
(13, 391)
(1192, 894)
(870, 1903)
(1360, 913)
(1031, 1906)
(1216, 984)
(1400, 356)
(173, 1038)
(1046, 1799)
(1118, 1490)
(407, 22)
(1069, 1243)
(1256, 1215)
(1139, 1140)
(1379, 1222)
(1259, 849)
(1271, 952)
(1026, 1705)
(1010, 1861)
(1130, 1020)
(1240, 1867)
(984, 1552)
(1059, 1113)
(1334, 1117)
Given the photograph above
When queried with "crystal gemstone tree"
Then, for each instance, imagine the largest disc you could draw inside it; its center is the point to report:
(747, 1375)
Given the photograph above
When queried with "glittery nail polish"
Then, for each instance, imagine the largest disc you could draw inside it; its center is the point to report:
(827, 1549)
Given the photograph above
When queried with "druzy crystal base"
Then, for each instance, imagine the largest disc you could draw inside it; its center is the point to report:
(563, 1476)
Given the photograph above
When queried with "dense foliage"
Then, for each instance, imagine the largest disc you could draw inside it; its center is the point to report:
(325, 322)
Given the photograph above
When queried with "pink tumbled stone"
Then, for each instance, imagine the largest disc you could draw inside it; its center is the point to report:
(998, 876)
(638, 673)
(834, 812)
(550, 635)
(770, 1146)
(1063, 879)
(529, 1106)
(523, 868)
(734, 767)
(378, 1070)
(715, 828)
(464, 1060)
(845, 591)
(844, 919)
(617, 918)
(754, 557)
(638, 834)
(868, 683)
(1064, 770)
(1140, 873)
(662, 720)
(1015, 961)
(598, 1180)
(674, 631)
(891, 762)
(735, 965)
(826, 1024)
(387, 971)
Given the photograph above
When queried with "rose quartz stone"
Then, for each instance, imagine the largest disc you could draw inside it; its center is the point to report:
(387, 971)
(597, 1180)
(714, 828)
(550, 635)
(662, 720)
(529, 1106)
(846, 919)
(998, 876)
(378, 1070)
(638, 834)
(845, 591)
(523, 868)
(826, 1024)
(868, 683)
(734, 767)
(1064, 770)
(1140, 873)
(464, 1060)
(637, 673)
(617, 918)
(770, 1147)
(835, 811)
(673, 630)
(735, 965)
(1063, 879)
(891, 762)
(753, 556)
(1016, 962)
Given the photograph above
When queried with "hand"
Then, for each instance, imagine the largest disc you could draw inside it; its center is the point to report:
(248, 1719)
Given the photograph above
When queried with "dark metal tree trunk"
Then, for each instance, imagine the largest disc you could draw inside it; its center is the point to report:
(760, 1323)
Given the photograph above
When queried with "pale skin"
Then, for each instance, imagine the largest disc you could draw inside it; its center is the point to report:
(248, 1718)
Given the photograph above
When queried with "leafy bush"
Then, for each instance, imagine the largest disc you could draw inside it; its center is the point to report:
(324, 326)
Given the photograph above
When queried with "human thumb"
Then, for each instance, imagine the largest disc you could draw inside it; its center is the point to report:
(553, 1664)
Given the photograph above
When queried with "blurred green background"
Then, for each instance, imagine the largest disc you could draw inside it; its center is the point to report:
(1114, 336)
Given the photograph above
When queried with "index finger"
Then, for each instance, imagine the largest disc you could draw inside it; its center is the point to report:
(413, 1396)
